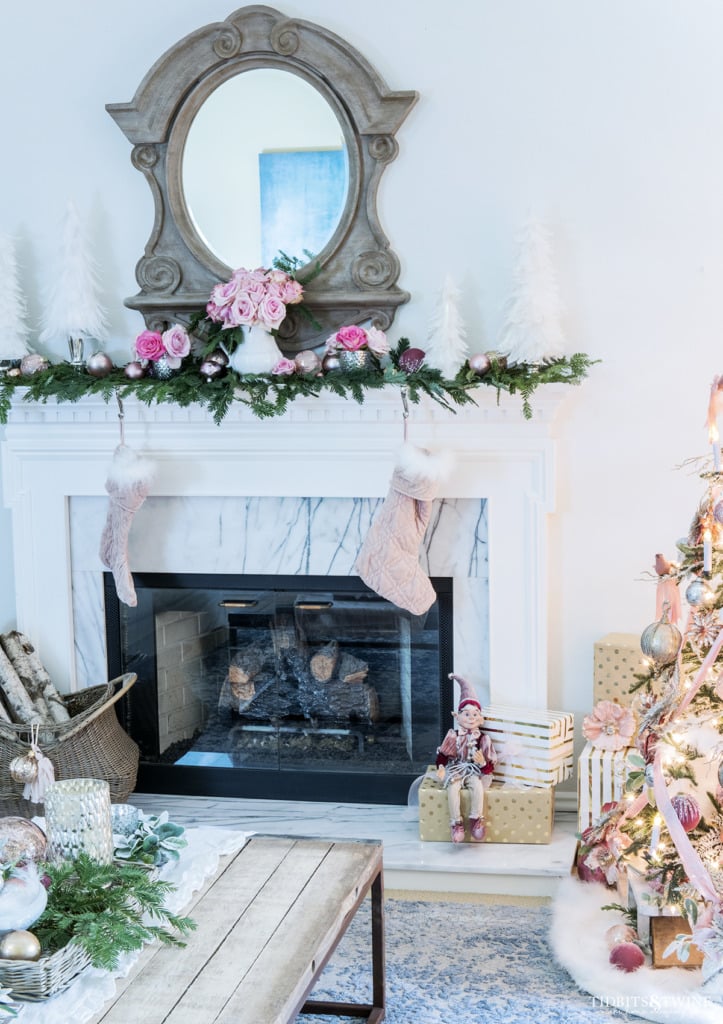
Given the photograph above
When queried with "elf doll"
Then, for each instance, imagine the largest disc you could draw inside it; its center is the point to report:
(466, 758)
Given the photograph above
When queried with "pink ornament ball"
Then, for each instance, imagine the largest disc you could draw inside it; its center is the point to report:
(134, 370)
(307, 362)
(620, 933)
(331, 363)
(99, 364)
(687, 810)
(479, 363)
(411, 359)
(32, 363)
(627, 957)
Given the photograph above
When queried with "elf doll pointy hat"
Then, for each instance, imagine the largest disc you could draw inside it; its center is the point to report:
(467, 694)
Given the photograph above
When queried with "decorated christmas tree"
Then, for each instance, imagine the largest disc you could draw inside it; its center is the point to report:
(662, 843)
(446, 348)
(532, 330)
(13, 312)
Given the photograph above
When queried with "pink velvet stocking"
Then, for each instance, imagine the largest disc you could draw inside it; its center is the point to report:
(128, 483)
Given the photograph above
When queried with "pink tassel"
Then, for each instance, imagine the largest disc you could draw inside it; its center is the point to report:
(667, 593)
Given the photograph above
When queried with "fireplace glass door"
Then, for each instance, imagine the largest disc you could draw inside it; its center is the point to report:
(293, 687)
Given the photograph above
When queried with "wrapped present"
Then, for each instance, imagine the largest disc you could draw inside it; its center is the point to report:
(535, 748)
(618, 659)
(512, 815)
(601, 778)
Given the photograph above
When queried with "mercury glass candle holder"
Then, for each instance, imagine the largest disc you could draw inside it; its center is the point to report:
(77, 820)
(359, 359)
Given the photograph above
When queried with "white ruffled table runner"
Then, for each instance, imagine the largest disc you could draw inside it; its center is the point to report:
(87, 994)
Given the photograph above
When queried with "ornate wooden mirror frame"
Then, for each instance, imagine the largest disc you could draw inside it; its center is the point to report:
(358, 270)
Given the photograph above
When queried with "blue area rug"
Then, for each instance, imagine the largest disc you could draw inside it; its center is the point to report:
(461, 963)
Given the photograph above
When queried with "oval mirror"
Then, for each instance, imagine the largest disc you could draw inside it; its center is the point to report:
(281, 182)
(257, 134)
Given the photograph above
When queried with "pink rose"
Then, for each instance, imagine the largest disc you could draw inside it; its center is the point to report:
(377, 341)
(291, 292)
(241, 311)
(271, 312)
(284, 368)
(224, 294)
(352, 338)
(176, 342)
(149, 345)
(253, 282)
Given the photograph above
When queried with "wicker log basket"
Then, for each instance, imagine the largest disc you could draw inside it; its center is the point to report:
(92, 745)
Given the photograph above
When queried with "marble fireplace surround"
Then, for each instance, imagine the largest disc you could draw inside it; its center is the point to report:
(56, 455)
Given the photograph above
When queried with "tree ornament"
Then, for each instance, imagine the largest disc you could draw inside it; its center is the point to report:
(21, 839)
(13, 309)
(661, 641)
(307, 362)
(411, 359)
(687, 810)
(74, 313)
(619, 933)
(211, 370)
(20, 945)
(24, 768)
(480, 363)
(33, 363)
(446, 340)
(627, 956)
(703, 628)
(161, 369)
(134, 370)
(218, 356)
(532, 330)
(699, 592)
(99, 364)
(331, 363)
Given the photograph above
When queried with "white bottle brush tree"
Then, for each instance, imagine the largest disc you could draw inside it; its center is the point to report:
(532, 329)
(74, 312)
(13, 311)
(446, 340)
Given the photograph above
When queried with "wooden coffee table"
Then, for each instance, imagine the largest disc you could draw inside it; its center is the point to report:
(267, 924)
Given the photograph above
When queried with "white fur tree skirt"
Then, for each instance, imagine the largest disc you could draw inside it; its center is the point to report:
(668, 995)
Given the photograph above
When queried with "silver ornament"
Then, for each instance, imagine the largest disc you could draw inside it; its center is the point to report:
(211, 370)
(20, 945)
(479, 363)
(134, 370)
(218, 356)
(330, 363)
(32, 363)
(698, 592)
(161, 369)
(661, 642)
(21, 839)
(99, 364)
(307, 362)
(24, 768)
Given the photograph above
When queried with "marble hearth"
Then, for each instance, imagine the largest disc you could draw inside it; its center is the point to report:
(298, 491)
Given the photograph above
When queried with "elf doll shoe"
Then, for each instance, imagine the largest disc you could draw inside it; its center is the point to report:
(456, 830)
(477, 829)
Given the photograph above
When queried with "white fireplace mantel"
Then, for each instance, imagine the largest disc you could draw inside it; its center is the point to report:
(328, 447)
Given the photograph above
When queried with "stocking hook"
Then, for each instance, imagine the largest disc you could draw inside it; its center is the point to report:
(405, 412)
(121, 418)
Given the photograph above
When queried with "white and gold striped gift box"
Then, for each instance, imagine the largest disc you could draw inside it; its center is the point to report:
(601, 777)
(535, 747)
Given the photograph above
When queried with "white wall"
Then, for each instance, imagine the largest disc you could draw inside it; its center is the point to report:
(604, 118)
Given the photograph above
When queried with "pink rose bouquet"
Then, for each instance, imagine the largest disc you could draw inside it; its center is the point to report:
(253, 297)
(354, 338)
(173, 345)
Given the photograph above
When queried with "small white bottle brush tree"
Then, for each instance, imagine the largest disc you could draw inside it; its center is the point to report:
(73, 311)
(13, 310)
(447, 337)
(532, 329)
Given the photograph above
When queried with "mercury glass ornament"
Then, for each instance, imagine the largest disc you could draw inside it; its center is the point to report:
(698, 592)
(21, 839)
(20, 945)
(411, 359)
(161, 369)
(500, 359)
(661, 641)
(134, 370)
(99, 364)
(479, 363)
(211, 370)
(24, 768)
(32, 363)
(330, 363)
(307, 362)
(77, 820)
(218, 356)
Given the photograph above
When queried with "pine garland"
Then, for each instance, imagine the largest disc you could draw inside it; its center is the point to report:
(268, 396)
(105, 908)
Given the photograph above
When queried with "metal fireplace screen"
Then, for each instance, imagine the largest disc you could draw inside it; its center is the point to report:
(298, 687)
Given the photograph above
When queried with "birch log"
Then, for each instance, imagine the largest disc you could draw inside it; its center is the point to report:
(34, 677)
(17, 698)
